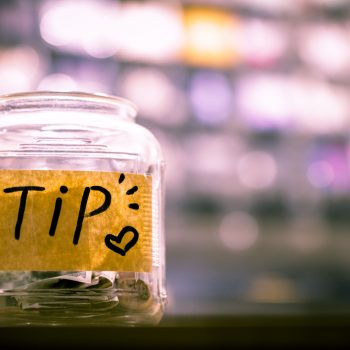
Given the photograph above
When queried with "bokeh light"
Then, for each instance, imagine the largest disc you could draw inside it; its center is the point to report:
(239, 231)
(273, 288)
(95, 33)
(262, 43)
(211, 97)
(257, 170)
(320, 174)
(263, 101)
(20, 68)
(328, 166)
(211, 160)
(155, 95)
(331, 39)
(319, 107)
(58, 82)
(210, 37)
(150, 31)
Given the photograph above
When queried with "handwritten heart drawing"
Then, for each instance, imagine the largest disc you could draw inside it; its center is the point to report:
(113, 241)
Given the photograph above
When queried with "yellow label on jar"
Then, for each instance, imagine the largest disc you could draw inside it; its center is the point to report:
(75, 220)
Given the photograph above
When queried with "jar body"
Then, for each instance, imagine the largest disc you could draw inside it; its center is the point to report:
(72, 134)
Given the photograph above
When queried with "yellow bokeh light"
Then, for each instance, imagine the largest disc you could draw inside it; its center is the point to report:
(210, 38)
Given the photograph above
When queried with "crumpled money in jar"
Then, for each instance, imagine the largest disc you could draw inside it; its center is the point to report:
(102, 290)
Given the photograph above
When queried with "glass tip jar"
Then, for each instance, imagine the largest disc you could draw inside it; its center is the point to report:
(81, 231)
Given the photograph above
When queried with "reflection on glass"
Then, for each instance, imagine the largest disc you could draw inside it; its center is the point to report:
(175, 175)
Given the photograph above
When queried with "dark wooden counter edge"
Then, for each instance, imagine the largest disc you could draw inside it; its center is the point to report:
(189, 332)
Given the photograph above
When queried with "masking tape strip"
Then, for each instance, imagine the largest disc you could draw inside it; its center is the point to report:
(75, 220)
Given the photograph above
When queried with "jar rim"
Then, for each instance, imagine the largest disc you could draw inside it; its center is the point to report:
(67, 99)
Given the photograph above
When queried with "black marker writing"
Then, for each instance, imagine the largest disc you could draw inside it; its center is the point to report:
(132, 190)
(121, 178)
(116, 243)
(112, 242)
(57, 211)
(22, 204)
(82, 215)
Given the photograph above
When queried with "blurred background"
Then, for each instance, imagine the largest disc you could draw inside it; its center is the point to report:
(250, 102)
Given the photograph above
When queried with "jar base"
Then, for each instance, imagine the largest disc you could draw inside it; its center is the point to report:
(62, 310)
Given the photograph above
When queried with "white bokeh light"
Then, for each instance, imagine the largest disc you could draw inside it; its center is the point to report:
(257, 170)
(330, 39)
(261, 42)
(319, 107)
(155, 95)
(263, 100)
(20, 68)
(150, 31)
(238, 231)
(87, 26)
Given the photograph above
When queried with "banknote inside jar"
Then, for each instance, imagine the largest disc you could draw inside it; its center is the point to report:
(97, 290)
